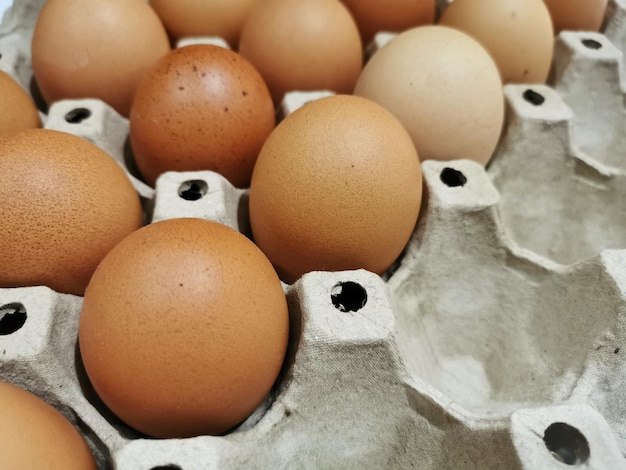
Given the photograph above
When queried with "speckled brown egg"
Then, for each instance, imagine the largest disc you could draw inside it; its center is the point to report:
(303, 45)
(18, 110)
(372, 16)
(184, 328)
(204, 17)
(202, 108)
(35, 435)
(65, 204)
(337, 186)
(96, 49)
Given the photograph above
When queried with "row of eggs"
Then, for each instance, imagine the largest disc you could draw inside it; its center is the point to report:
(340, 146)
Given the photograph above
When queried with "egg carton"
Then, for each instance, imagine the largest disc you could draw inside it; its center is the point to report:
(497, 341)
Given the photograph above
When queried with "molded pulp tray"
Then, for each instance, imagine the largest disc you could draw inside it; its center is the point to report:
(497, 341)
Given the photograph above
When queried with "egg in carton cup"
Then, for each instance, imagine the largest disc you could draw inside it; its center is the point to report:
(476, 351)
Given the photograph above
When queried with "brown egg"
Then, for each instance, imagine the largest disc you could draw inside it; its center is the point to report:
(202, 107)
(372, 16)
(303, 45)
(96, 49)
(517, 33)
(18, 110)
(65, 204)
(444, 87)
(184, 328)
(204, 17)
(35, 435)
(581, 15)
(337, 186)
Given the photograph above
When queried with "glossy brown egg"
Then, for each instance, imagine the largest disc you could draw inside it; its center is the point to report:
(517, 34)
(202, 108)
(204, 17)
(35, 435)
(96, 49)
(18, 110)
(337, 186)
(372, 16)
(65, 204)
(184, 328)
(303, 45)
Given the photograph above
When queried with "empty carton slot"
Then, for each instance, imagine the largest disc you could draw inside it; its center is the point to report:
(533, 97)
(566, 444)
(167, 467)
(12, 318)
(452, 178)
(591, 44)
(193, 190)
(77, 115)
(348, 296)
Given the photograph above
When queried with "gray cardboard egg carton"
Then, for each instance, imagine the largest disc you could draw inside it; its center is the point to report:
(496, 342)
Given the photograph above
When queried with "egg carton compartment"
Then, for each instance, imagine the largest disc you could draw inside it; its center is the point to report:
(476, 353)
(372, 378)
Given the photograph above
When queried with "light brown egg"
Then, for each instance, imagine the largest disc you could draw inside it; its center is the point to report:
(204, 17)
(184, 328)
(444, 87)
(372, 16)
(34, 435)
(65, 204)
(18, 109)
(303, 45)
(337, 186)
(517, 33)
(581, 15)
(201, 108)
(96, 49)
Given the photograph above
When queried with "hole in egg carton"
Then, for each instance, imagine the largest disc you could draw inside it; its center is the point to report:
(193, 190)
(566, 444)
(452, 178)
(167, 467)
(533, 97)
(348, 296)
(77, 115)
(591, 44)
(12, 317)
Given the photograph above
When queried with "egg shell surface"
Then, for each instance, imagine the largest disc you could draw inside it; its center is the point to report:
(372, 16)
(303, 45)
(581, 15)
(337, 186)
(204, 17)
(202, 107)
(65, 204)
(34, 435)
(18, 109)
(518, 34)
(443, 86)
(184, 328)
(96, 49)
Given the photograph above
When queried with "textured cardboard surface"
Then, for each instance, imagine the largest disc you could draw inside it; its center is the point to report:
(500, 330)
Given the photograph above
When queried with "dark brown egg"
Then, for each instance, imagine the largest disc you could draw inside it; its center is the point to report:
(202, 108)
(65, 204)
(184, 328)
